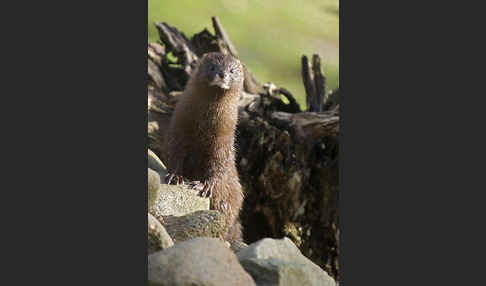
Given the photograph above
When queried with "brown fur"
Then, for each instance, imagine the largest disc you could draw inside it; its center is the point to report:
(202, 134)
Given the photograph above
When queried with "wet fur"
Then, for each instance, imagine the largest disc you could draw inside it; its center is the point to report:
(202, 136)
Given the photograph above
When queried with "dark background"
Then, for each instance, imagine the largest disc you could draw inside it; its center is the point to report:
(74, 102)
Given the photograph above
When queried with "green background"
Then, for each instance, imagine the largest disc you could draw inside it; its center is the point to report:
(270, 35)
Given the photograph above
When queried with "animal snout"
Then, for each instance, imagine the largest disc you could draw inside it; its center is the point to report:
(221, 74)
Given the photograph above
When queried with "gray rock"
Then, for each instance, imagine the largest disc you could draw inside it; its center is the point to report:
(236, 246)
(153, 187)
(279, 262)
(158, 238)
(197, 224)
(198, 262)
(156, 164)
(177, 201)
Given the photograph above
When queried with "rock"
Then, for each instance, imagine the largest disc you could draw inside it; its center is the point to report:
(236, 246)
(156, 164)
(279, 262)
(209, 223)
(153, 187)
(158, 238)
(177, 201)
(200, 261)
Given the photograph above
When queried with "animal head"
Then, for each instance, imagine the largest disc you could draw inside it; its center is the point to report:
(221, 71)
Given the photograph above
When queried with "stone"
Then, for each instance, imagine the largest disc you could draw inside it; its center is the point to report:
(153, 187)
(177, 200)
(200, 261)
(156, 164)
(236, 246)
(158, 238)
(280, 262)
(210, 223)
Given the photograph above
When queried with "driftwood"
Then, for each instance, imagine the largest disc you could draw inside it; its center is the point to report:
(287, 159)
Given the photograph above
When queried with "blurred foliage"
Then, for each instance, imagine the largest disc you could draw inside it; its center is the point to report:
(270, 36)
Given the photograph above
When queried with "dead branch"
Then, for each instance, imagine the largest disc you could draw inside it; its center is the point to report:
(314, 83)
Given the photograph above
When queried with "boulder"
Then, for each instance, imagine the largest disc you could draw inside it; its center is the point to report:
(177, 200)
(200, 261)
(153, 188)
(279, 262)
(158, 238)
(156, 164)
(237, 246)
(209, 223)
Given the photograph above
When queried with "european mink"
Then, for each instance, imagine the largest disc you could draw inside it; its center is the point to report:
(201, 137)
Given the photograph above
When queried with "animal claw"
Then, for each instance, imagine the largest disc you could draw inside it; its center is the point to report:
(204, 189)
(173, 179)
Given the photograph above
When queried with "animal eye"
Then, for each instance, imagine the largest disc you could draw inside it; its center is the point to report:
(232, 71)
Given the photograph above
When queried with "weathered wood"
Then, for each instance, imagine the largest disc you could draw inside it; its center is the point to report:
(156, 53)
(221, 33)
(160, 72)
(251, 83)
(332, 100)
(205, 42)
(273, 91)
(177, 43)
(308, 80)
(155, 76)
(288, 165)
(320, 84)
(292, 102)
(314, 83)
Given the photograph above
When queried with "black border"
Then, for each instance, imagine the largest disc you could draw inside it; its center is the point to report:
(77, 160)
(406, 175)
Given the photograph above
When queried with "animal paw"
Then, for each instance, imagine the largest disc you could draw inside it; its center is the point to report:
(173, 179)
(204, 189)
